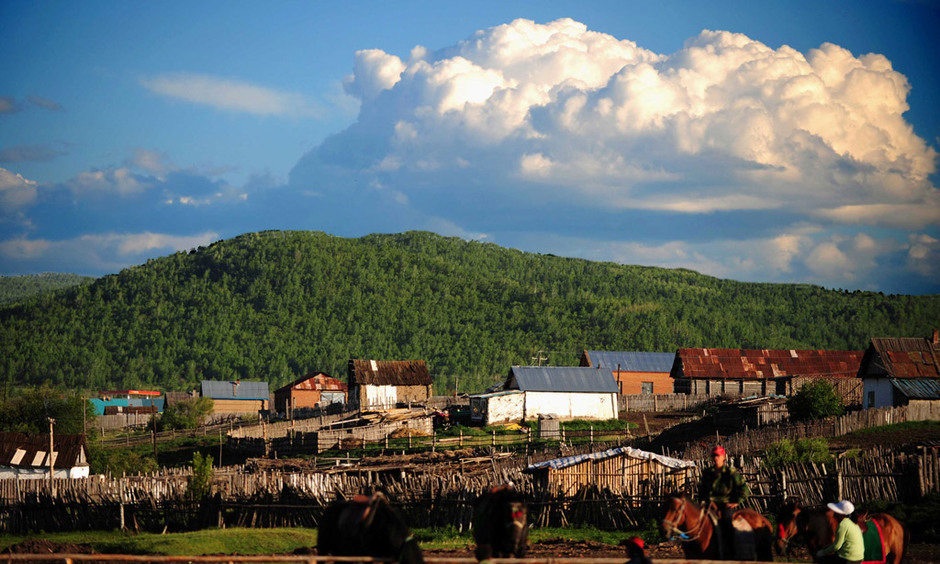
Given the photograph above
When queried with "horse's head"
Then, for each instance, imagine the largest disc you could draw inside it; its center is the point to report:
(390, 530)
(677, 505)
(787, 527)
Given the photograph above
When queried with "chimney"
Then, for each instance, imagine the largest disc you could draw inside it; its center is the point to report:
(936, 336)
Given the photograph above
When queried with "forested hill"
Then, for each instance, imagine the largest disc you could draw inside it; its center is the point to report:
(19, 288)
(276, 305)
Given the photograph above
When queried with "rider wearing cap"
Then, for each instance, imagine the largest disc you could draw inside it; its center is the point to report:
(636, 550)
(849, 546)
(724, 486)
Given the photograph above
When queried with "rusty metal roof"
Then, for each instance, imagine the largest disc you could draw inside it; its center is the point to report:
(762, 364)
(389, 373)
(314, 381)
(906, 357)
(918, 388)
(32, 451)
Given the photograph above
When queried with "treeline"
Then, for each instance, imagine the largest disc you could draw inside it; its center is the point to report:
(276, 305)
(19, 288)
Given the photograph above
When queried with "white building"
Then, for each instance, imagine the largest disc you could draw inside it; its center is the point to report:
(899, 371)
(27, 456)
(567, 392)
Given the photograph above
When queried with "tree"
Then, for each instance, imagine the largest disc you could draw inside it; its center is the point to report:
(815, 400)
(200, 483)
(28, 410)
(187, 414)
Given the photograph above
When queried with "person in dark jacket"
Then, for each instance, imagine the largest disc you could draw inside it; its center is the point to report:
(725, 487)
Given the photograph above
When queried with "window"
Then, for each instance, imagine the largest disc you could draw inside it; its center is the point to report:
(871, 398)
(647, 388)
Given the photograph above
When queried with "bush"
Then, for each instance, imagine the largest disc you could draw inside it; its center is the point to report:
(187, 414)
(815, 400)
(200, 483)
(779, 453)
(803, 450)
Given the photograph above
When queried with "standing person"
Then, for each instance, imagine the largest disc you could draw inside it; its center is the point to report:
(636, 551)
(725, 487)
(849, 546)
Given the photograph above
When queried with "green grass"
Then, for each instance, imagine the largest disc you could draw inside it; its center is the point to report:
(905, 426)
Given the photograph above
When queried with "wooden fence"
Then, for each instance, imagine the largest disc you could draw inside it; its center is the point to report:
(664, 402)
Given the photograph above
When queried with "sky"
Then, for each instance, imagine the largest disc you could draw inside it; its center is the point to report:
(789, 142)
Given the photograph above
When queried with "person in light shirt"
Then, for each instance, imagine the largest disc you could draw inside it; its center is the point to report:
(849, 547)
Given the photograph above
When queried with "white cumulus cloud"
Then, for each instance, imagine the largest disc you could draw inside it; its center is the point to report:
(15, 191)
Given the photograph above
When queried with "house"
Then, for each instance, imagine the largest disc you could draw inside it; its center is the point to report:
(379, 384)
(635, 372)
(737, 414)
(624, 471)
(127, 401)
(27, 456)
(497, 407)
(313, 390)
(761, 372)
(237, 397)
(901, 371)
(568, 392)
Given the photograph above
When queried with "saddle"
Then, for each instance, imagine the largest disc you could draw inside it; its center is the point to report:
(874, 543)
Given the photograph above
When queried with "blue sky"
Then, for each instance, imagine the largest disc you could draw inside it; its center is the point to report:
(771, 142)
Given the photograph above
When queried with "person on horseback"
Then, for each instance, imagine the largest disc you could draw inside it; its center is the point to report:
(849, 546)
(725, 487)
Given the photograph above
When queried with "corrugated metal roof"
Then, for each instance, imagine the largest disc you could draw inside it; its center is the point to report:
(906, 357)
(918, 388)
(760, 364)
(32, 451)
(389, 373)
(559, 463)
(629, 361)
(496, 394)
(238, 389)
(314, 381)
(561, 379)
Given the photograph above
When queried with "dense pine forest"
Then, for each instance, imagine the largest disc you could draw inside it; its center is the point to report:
(276, 305)
(20, 288)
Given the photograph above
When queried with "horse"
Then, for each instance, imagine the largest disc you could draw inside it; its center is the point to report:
(817, 527)
(367, 526)
(696, 527)
(499, 524)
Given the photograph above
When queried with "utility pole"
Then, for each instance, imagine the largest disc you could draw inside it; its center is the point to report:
(51, 459)
(539, 358)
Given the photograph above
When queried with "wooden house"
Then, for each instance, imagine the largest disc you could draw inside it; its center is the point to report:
(313, 390)
(237, 397)
(635, 372)
(27, 456)
(382, 384)
(567, 392)
(901, 371)
(624, 471)
(761, 372)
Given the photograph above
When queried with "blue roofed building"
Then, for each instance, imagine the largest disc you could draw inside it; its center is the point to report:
(635, 372)
(567, 392)
(237, 396)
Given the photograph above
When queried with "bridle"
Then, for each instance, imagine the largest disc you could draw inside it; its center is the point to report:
(690, 535)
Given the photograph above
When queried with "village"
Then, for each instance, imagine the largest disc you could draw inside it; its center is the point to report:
(320, 437)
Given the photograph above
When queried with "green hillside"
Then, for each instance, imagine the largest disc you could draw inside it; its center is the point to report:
(276, 305)
(19, 288)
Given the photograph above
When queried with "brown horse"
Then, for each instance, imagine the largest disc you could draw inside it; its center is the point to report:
(696, 529)
(367, 526)
(816, 526)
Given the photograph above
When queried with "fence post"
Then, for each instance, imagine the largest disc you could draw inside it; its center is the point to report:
(592, 435)
(433, 440)
(838, 482)
(460, 438)
(494, 438)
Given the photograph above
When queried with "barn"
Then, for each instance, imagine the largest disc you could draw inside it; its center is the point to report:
(237, 397)
(761, 372)
(567, 392)
(624, 471)
(382, 384)
(901, 371)
(313, 390)
(635, 372)
(27, 456)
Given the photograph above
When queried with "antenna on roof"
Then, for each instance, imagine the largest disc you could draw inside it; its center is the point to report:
(539, 358)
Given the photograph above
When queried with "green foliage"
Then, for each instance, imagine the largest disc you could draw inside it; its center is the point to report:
(803, 450)
(605, 425)
(278, 305)
(779, 453)
(27, 410)
(187, 414)
(815, 400)
(200, 483)
(20, 288)
(121, 461)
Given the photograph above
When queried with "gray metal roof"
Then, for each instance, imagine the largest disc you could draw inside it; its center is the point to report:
(565, 462)
(632, 361)
(239, 389)
(918, 388)
(561, 379)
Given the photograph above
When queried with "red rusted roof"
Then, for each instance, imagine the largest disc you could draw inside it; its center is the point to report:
(389, 373)
(906, 357)
(32, 451)
(761, 364)
(314, 381)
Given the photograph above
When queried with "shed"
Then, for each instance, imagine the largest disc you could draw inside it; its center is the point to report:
(27, 456)
(751, 412)
(754, 372)
(624, 471)
(497, 407)
(238, 396)
(313, 390)
(568, 392)
(380, 384)
(901, 371)
(127, 401)
(635, 372)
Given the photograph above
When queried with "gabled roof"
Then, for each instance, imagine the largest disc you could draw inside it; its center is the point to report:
(561, 379)
(559, 463)
(314, 381)
(32, 451)
(761, 364)
(629, 361)
(389, 373)
(907, 357)
(237, 389)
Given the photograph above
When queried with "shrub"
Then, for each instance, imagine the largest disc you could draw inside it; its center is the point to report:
(815, 400)
(813, 450)
(187, 414)
(779, 453)
(200, 483)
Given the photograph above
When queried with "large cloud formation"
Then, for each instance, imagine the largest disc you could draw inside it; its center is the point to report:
(595, 132)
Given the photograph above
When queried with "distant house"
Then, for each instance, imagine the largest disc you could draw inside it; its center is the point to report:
(497, 407)
(313, 390)
(567, 392)
(635, 372)
(901, 371)
(237, 397)
(747, 372)
(127, 401)
(27, 456)
(382, 384)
